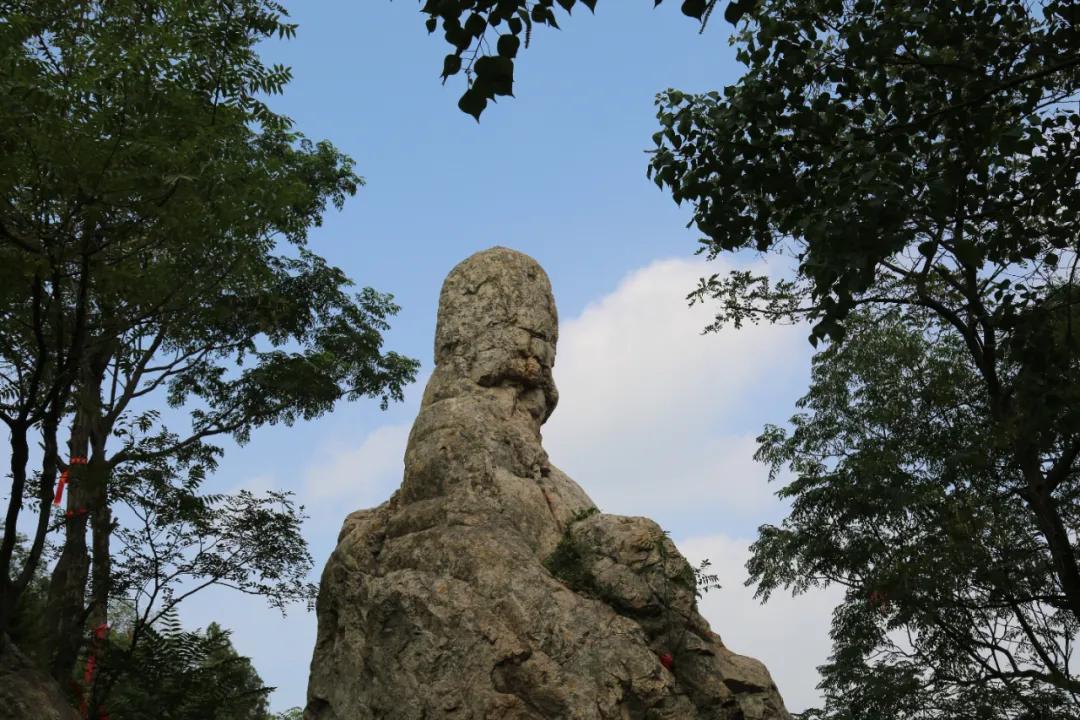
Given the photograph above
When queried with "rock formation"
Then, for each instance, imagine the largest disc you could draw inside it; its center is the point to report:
(488, 587)
(26, 693)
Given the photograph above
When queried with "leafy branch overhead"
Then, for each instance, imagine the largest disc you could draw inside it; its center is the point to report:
(487, 34)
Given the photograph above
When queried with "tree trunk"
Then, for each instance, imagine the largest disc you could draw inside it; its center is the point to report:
(9, 594)
(1053, 530)
(87, 504)
(67, 586)
(101, 531)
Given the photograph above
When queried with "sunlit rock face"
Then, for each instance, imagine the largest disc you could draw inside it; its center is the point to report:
(488, 587)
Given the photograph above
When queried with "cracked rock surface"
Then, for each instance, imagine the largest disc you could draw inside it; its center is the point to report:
(488, 587)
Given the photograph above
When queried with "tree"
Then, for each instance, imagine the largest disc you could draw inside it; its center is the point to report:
(185, 675)
(153, 246)
(921, 157)
(952, 608)
(181, 543)
(28, 629)
(148, 665)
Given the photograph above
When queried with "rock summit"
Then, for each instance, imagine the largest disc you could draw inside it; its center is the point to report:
(489, 587)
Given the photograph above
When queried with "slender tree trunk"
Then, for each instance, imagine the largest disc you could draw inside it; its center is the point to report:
(9, 595)
(101, 531)
(101, 564)
(67, 586)
(87, 505)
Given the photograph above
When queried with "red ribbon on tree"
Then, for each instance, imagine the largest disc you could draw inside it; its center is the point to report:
(64, 479)
(101, 632)
(88, 674)
(58, 496)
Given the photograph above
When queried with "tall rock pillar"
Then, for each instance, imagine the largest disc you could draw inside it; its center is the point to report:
(488, 587)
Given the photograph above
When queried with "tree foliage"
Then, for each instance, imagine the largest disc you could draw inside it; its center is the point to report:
(887, 147)
(153, 251)
(176, 674)
(28, 629)
(922, 161)
(901, 496)
(148, 665)
(182, 542)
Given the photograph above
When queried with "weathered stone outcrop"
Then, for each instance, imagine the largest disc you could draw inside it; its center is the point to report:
(26, 693)
(488, 587)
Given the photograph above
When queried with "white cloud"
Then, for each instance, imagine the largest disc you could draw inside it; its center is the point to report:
(362, 475)
(257, 484)
(651, 412)
(789, 634)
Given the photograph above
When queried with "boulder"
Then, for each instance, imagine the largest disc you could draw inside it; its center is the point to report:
(489, 587)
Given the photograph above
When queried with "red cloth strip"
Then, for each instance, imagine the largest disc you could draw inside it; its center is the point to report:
(58, 496)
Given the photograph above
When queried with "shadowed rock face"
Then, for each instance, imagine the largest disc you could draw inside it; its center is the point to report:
(26, 693)
(487, 587)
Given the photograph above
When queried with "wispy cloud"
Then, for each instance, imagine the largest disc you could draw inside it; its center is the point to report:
(359, 475)
(651, 415)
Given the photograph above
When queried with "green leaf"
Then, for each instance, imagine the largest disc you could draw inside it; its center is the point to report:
(451, 65)
(497, 74)
(735, 10)
(472, 103)
(475, 25)
(508, 45)
(694, 8)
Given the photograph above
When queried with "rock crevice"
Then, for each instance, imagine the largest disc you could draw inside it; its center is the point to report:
(449, 602)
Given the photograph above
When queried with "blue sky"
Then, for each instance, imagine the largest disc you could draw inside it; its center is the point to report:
(655, 419)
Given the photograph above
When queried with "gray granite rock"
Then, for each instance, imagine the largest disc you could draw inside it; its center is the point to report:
(488, 587)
